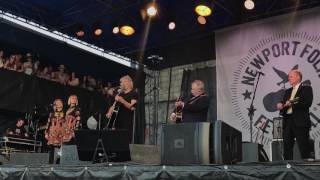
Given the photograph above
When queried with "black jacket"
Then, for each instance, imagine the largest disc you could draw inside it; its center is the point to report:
(195, 110)
(300, 114)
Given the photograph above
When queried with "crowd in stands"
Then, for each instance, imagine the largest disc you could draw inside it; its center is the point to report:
(26, 64)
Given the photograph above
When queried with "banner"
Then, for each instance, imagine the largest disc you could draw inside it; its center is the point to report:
(266, 50)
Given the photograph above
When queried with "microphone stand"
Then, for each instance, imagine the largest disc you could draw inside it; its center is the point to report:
(35, 135)
(99, 119)
(252, 109)
(133, 127)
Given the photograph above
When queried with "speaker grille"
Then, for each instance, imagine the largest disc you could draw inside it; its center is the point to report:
(186, 143)
(226, 144)
(29, 158)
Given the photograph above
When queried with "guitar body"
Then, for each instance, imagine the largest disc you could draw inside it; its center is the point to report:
(178, 111)
(179, 116)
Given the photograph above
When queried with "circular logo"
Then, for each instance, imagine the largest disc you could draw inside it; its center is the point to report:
(262, 77)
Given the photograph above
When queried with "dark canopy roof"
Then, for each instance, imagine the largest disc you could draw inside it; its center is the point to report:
(65, 16)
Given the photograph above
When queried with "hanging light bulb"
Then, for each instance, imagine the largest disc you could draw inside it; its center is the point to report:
(80, 33)
(115, 30)
(127, 30)
(98, 31)
(79, 30)
(203, 10)
(172, 25)
(152, 10)
(249, 4)
(202, 20)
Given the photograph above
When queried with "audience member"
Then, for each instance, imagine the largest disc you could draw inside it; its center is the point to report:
(1, 59)
(14, 63)
(45, 74)
(73, 80)
(61, 75)
(18, 63)
(91, 83)
(28, 65)
(10, 63)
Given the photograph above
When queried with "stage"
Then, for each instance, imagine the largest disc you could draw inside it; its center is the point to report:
(272, 170)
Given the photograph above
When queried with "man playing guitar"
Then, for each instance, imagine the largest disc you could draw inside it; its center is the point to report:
(195, 108)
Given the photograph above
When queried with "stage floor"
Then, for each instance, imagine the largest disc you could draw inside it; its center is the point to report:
(272, 170)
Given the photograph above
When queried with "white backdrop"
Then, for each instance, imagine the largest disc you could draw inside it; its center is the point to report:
(272, 46)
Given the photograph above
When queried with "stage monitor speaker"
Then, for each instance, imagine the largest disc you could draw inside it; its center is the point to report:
(226, 144)
(277, 151)
(253, 152)
(250, 152)
(69, 154)
(28, 158)
(185, 143)
(145, 154)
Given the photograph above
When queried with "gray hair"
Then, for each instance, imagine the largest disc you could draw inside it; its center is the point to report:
(127, 78)
(199, 83)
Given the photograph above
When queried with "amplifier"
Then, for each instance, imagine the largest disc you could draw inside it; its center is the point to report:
(28, 158)
(145, 154)
(277, 128)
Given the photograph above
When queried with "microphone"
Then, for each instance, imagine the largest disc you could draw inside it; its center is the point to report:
(116, 90)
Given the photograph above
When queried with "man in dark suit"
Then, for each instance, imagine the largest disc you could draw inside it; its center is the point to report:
(194, 108)
(296, 120)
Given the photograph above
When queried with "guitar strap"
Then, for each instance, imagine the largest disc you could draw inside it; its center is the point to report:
(195, 98)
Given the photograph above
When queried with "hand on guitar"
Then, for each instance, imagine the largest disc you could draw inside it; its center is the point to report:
(280, 106)
(288, 103)
(173, 117)
(176, 116)
(179, 104)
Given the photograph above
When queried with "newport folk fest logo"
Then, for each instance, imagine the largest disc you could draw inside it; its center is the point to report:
(274, 57)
